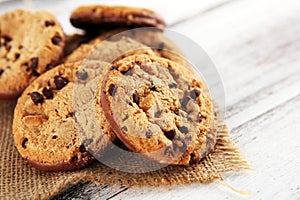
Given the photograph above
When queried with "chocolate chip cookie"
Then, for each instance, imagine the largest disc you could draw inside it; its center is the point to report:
(44, 126)
(102, 16)
(99, 136)
(30, 44)
(157, 109)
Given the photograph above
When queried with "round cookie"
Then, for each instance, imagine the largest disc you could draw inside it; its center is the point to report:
(31, 43)
(99, 136)
(103, 16)
(157, 109)
(44, 126)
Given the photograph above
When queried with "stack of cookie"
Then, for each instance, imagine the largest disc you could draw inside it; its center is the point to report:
(126, 87)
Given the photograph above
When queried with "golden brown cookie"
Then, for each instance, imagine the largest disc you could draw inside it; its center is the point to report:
(157, 109)
(103, 16)
(87, 116)
(30, 44)
(44, 125)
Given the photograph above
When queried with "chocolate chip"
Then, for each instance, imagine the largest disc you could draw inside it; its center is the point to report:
(74, 158)
(170, 134)
(17, 55)
(193, 158)
(184, 102)
(37, 98)
(112, 89)
(215, 113)
(24, 143)
(153, 88)
(183, 129)
(158, 114)
(56, 39)
(161, 46)
(124, 128)
(125, 118)
(128, 72)
(54, 137)
(176, 112)
(48, 93)
(60, 82)
(6, 38)
(1, 71)
(82, 148)
(49, 23)
(173, 85)
(136, 98)
(82, 75)
(113, 67)
(49, 66)
(34, 62)
(20, 47)
(35, 73)
(195, 93)
(148, 134)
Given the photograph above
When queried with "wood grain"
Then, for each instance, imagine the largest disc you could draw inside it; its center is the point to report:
(255, 45)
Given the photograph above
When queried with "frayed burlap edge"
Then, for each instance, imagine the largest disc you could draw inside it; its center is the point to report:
(20, 181)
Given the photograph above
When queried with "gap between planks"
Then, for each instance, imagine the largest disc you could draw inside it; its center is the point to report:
(277, 96)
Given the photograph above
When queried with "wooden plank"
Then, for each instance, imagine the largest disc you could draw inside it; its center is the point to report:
(271, 144)
(245, 42)
(250, 58)
(86, 190)
(243, 55)
(250, 47)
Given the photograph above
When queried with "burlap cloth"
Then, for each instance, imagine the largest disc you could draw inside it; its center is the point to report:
(20, 181)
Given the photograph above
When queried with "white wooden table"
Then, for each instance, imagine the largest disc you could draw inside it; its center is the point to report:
(255, 45)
